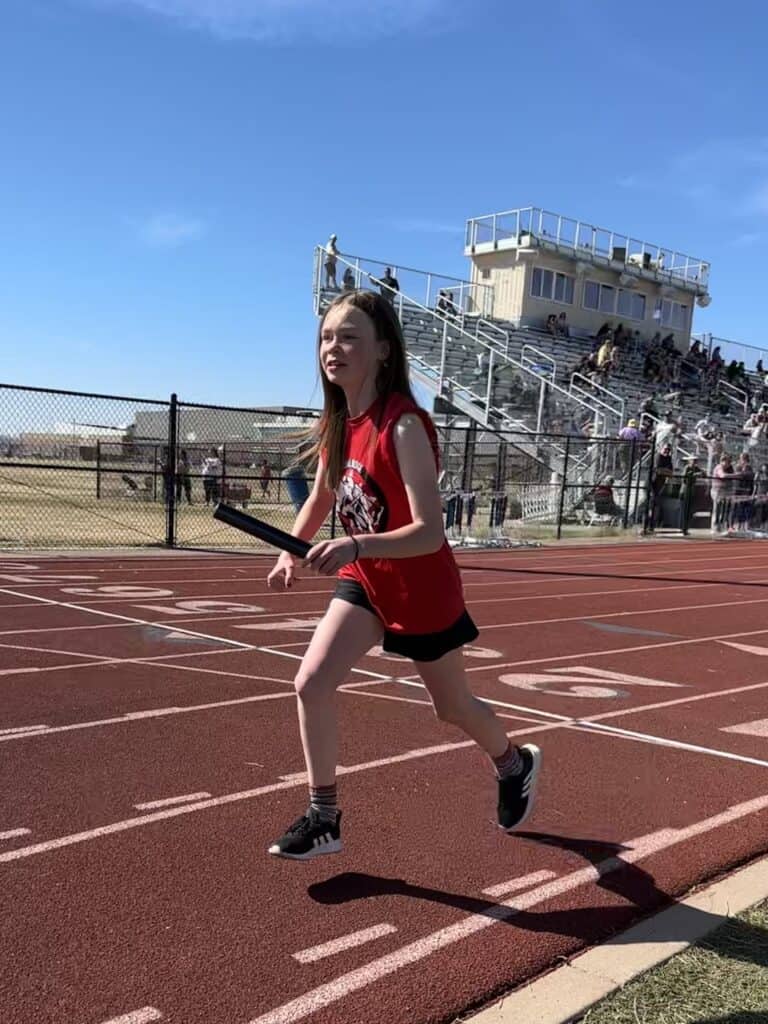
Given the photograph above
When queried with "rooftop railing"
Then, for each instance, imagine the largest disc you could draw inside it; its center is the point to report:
(532, 226)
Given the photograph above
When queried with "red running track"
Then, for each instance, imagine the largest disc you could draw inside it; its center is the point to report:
(150, 752)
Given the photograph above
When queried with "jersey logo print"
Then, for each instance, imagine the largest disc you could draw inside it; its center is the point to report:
(361, 504)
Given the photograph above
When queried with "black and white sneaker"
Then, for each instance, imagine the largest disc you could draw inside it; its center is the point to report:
(518, 792)
(309, 837)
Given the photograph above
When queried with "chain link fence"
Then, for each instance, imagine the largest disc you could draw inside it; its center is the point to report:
(87, 470)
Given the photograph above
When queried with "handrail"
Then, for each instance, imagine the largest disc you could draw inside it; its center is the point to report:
(581, 237)
(485, 341)
(541, 356)
(363, 267)
(734, 394)
(616, 410)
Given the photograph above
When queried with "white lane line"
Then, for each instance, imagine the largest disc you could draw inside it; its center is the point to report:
(227, 616)
(171, 801)
(309, 956)
(14, 833)
(230, 798)
(344, 985)
(51, 650)
(142, 1016)
(125, 618)
(518, 884)
(663, 741)
(594, 722)
(136, 716)
(21, 729)
(757, 728)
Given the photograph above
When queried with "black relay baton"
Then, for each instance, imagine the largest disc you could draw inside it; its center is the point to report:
(258, 528)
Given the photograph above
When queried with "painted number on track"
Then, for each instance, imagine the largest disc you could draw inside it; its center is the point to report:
(578, 681)
(118, 590)
(184, 607)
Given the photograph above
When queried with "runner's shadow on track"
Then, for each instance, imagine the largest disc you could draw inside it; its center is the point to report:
(635, 886)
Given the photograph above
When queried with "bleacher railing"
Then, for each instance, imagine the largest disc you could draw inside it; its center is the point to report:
(468, 298)
(494, 349)
(530, 226)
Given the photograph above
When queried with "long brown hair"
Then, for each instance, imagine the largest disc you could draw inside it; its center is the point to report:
(329, 434)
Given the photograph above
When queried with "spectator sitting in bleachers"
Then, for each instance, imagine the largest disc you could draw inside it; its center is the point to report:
(551, 324)
(732, 372)
(562, 328)
(607, 357)
(759, 368)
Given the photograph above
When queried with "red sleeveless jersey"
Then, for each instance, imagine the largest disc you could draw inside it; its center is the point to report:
(411, 595)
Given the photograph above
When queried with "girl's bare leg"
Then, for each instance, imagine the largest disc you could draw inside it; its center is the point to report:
(344, 635)
(446, 681)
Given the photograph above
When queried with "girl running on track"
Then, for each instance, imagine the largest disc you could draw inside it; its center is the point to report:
(398, 583)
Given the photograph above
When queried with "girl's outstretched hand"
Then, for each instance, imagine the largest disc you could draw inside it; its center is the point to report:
(283, 571)
(327, 557)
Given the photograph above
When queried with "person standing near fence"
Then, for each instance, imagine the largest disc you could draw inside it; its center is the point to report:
(183, 479)
(687, 493)
(265, 477)
(721, 486)
(398, 583)
(211, 473)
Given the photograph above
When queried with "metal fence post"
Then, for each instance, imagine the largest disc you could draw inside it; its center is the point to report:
(563, 487)
(154, 473)
(169, 478)
(98, 469)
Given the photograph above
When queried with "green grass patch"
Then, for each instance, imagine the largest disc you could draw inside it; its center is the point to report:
(721, 980)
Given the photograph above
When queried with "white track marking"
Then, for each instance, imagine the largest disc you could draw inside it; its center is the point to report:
(756, 728)
(170, 801)
(663, 741)
(51, 650)
(143, 1016)
(230, 798)
(761, 652)
(592, 722)
(344, 942)
(14, 833)
(126, 618)
(353, 981)
(518, 884)
(21, 729)
(137, 716)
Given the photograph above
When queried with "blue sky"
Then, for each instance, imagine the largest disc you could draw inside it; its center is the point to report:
(168, 165)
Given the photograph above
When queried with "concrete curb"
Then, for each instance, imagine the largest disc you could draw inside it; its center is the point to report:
(568, 992)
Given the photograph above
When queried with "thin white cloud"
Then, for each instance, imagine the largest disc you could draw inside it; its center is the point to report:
(283, 20)
(169, 230)
(422, 226)
(746, 239)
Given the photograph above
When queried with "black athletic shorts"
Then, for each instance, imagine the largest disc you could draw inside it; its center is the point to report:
(417, 646)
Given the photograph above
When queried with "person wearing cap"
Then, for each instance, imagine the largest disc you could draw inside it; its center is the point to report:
(631, 435)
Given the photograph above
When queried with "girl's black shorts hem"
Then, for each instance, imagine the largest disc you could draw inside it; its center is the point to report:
(416, 646)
